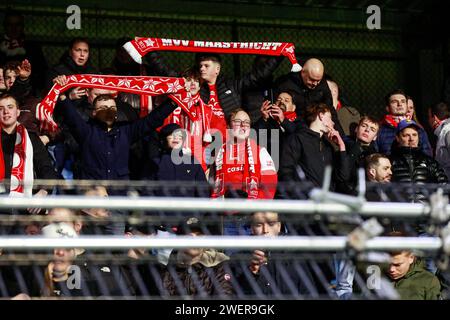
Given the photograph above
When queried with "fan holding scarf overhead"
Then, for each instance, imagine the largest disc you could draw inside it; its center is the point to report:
(104, 143)
(223, 95)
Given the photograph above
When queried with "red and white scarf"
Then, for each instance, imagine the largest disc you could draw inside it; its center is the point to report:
(132, 84)
(236, 164)
(22, 166)
(393, 120)
(196, 122)
(290, 115)
(140, 46)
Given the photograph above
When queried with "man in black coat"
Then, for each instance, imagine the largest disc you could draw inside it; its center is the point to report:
(409, 163)
(358, 150)
(280, 119)
(309, 88)
(75, 61)
(307, 152)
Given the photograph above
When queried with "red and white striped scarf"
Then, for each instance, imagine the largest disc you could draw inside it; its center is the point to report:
(22, 165)
(140, 46)
(132, 84)
(233, 165)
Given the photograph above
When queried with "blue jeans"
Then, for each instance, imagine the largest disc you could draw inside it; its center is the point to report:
(345, 274)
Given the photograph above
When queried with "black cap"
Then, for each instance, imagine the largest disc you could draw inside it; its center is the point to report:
(191, 224)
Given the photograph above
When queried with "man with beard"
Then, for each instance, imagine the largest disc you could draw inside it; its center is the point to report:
(412, 165)
(279, 116)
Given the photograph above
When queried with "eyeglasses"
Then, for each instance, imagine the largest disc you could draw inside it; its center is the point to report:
(245, 124)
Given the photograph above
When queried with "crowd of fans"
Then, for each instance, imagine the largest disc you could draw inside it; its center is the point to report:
(254, 133)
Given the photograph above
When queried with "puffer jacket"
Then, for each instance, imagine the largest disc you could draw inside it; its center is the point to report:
(412, 165)
(207, 275)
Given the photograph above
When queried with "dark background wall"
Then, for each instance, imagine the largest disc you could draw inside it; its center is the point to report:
(410, 51)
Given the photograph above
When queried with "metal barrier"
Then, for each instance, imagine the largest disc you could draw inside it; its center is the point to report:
(301, 264)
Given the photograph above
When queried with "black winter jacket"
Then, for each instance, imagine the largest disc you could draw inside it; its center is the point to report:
(67, 67)
(278, 277)
(303, 96)
(275, 142)
(356, 155)
(189, 171)
(229, 90)
(42, 165)
(412, 165)
(308, 151)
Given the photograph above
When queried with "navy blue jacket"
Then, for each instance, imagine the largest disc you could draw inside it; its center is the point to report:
(386, 137)
(187, 171)
(105, 154)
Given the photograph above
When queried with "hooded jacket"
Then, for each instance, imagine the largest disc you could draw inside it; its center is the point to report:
(418, 284)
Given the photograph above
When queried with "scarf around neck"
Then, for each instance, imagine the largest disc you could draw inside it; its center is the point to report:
(22, 164)
(232, 166)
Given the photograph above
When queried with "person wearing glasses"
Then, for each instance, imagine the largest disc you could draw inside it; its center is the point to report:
(241, 166)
